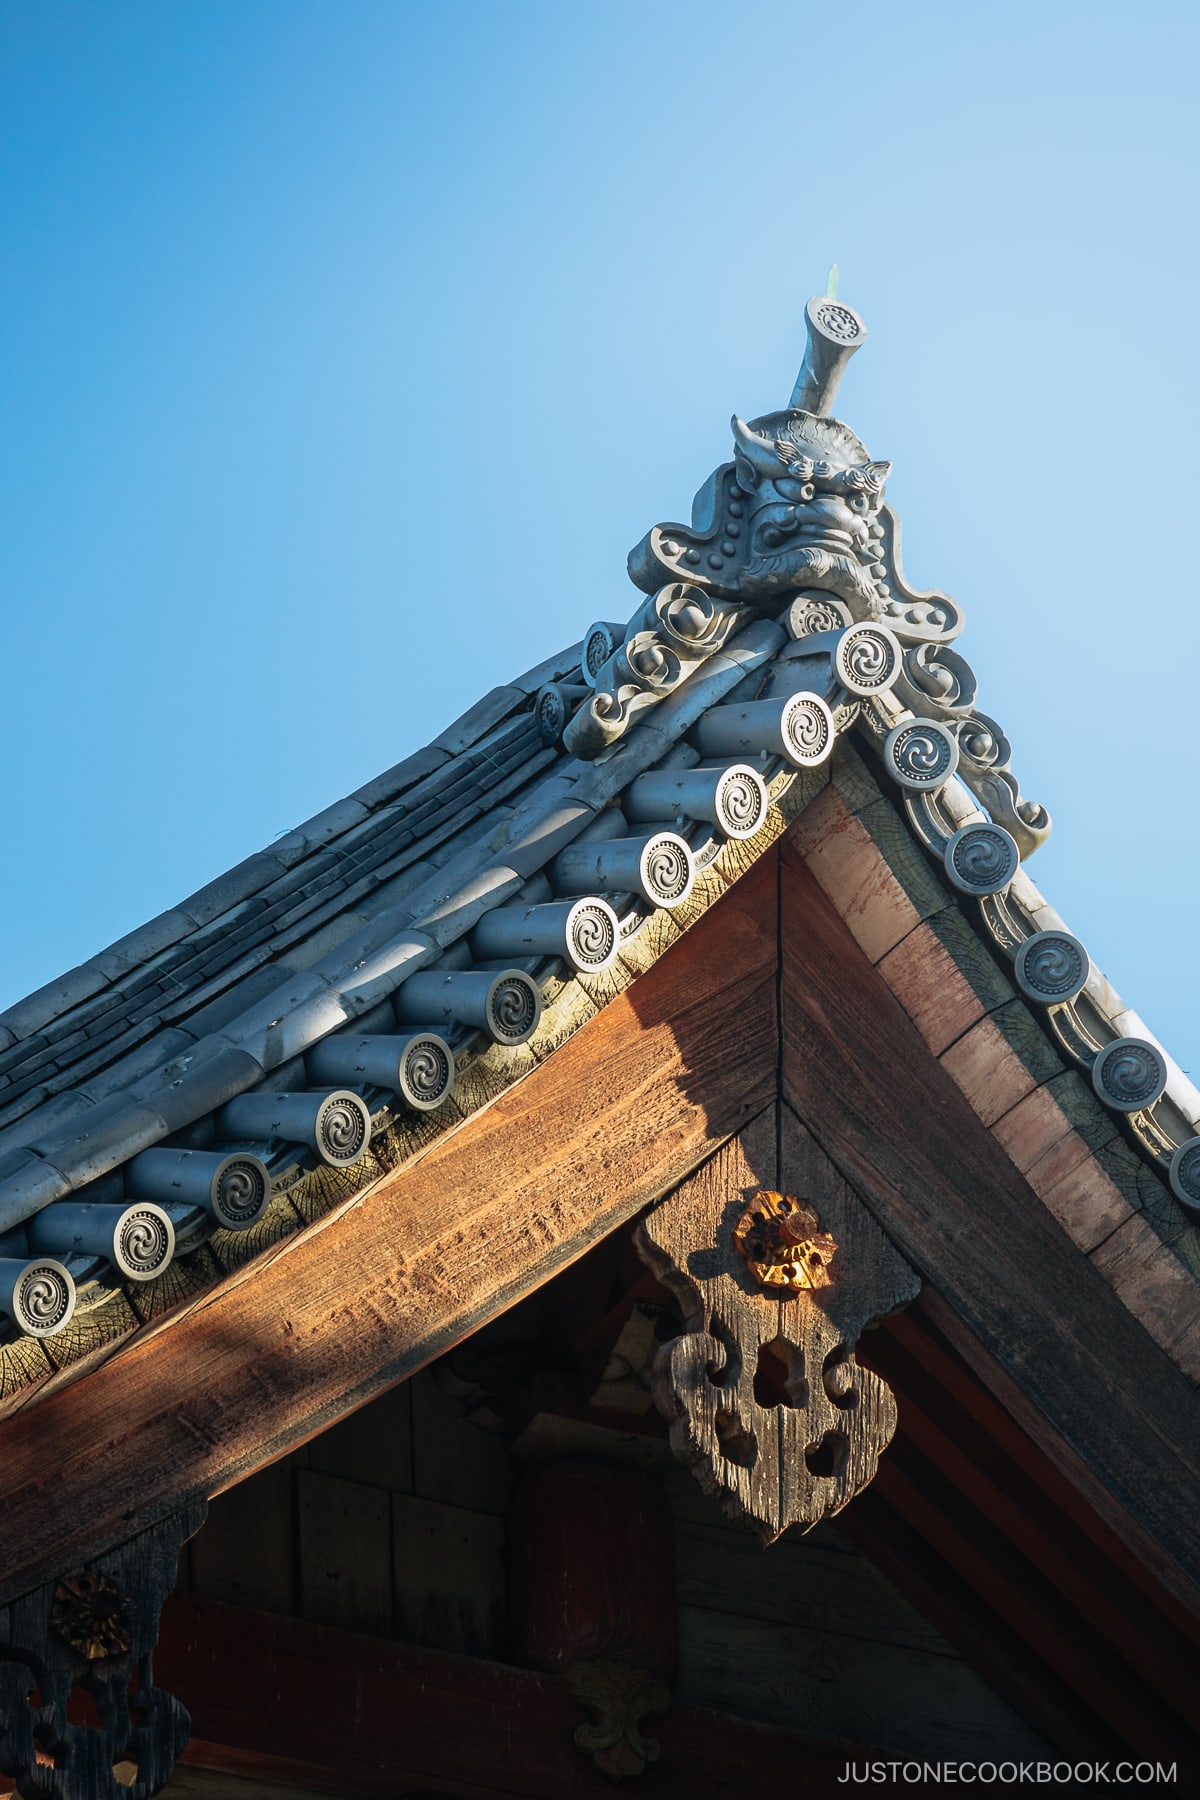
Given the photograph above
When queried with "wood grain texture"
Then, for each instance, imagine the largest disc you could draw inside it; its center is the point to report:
(795, 1450)
(449, 1580)
(244, 1553)
(944, 978)
(789, 1675)
(387, 1281)
(345, 1553)
(374, 1444)
(856, 1071)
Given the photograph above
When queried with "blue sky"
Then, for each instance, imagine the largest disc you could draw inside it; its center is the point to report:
(349, 347)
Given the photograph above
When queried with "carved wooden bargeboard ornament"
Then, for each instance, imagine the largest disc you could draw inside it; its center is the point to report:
(766, 1402)
(91, 1635)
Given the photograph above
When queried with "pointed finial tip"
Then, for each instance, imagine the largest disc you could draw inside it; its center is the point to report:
(831, 285)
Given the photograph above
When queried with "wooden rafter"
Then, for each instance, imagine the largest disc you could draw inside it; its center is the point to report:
(385, 1283)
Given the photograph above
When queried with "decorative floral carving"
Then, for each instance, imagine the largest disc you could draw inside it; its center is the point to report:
(93, 1616)
(620, 1698)
(96, 1629)
(782, 1242)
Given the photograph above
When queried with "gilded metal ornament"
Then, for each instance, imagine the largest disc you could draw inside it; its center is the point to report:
(782, 1242)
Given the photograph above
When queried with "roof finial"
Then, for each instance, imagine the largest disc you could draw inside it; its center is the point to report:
(835, 332)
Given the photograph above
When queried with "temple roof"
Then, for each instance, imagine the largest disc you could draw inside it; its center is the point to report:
(368, 981)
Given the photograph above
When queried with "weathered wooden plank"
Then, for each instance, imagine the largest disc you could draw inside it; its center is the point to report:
(1035, 1613)
(449, 1577)
(1155, 1287)
(454, 1462)
(189, 1783)
(901, 1698)
(1001, 1060)
(1029, 1543)
(813, 1581)
(387, 1281)
(944, 978)
(374, 1444)
(345, 1553)
(243, 1554)
(185, 1277)
(855, 1069)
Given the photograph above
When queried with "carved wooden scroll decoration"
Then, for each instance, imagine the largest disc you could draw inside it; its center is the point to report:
(79, 1650)
(766, 1402)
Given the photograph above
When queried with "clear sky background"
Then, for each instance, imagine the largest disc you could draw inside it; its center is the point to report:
(349, 346)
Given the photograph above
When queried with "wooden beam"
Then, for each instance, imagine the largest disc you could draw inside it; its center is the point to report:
(1096, 1388)
(916, 1333)
(321, 1322)
(349, 1715)
(975, 1461)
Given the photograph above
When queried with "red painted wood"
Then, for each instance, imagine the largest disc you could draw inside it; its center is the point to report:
(349, 1715)
(591, 1566)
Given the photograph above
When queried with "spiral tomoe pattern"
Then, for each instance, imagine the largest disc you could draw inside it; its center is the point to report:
(667, 870)
(867, 659)
(551, 713)
(514, 1008)
(804, 617)
(838, 321)
(593, 935)
(144, 1244)
(597, 648)
(1129, 1074)
(240, 1193)
(343, 1128)
(1185, 1174)
(982, 859)
(741, 802)
(426, 1071)
(808, 730)
(1051, 966)
(44, 1299)
(921, 755)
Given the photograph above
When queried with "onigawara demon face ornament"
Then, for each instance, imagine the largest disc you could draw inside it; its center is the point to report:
(793, 539)
(797, 510)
